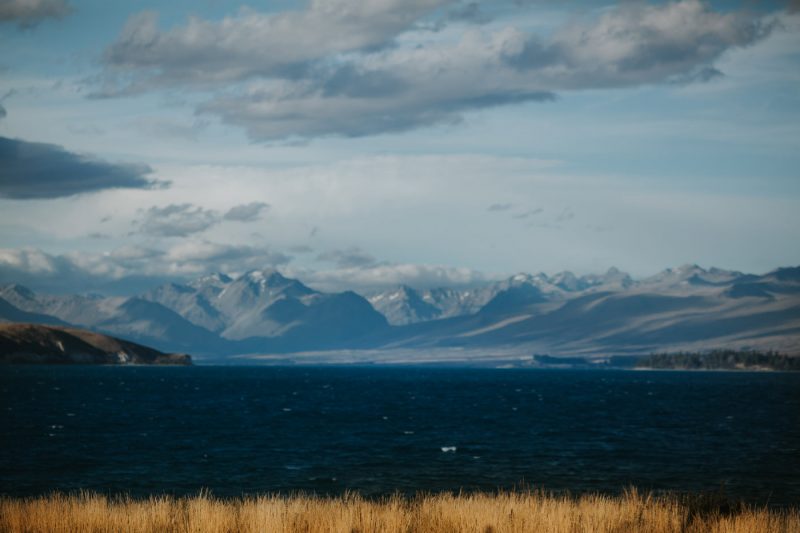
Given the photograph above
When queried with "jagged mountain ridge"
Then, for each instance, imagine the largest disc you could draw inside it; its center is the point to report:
(267, 304)
(211, 315)
(404, 305)
(263, 311)
(684, 308)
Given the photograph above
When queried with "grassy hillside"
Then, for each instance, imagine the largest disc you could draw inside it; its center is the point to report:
(479, 513)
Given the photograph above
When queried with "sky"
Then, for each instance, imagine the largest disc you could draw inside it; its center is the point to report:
(363, 144)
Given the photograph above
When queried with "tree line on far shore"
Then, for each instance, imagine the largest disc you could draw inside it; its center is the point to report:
(721, 360)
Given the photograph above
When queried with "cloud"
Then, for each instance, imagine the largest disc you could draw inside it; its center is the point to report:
(130, 269)
(527, 214)
(29, 261)
(437, 83)
(30, 170)
(348, 258)
(307, 109)
(703, 75)
(224, 257)
(176, 220)
(3, 112)
(468, 12)
(316, 72)
(28, 13)
(246, 212)
(565, 215)
(385, 275)
(301, 249)
(124, 255)
(182, 220)
(499, 207)
(638, 43)
(252, 44)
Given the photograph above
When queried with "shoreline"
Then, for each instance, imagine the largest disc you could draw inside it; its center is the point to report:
(255, 363)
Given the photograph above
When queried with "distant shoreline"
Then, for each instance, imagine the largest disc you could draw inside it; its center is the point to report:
(410, 364)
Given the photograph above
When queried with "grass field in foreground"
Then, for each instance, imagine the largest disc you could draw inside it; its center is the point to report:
(483, 513)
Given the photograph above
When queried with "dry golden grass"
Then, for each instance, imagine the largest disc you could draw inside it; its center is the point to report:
(480, 513)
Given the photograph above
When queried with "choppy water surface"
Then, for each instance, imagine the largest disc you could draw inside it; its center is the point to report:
(242, 430)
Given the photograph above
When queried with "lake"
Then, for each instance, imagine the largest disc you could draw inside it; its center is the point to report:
(238, 430)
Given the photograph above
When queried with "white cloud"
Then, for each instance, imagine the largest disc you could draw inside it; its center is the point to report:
(77, 271)
(86, 271)
(335, 82)
(383, 276)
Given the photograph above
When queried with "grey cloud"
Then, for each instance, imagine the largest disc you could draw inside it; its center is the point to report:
(565, 215)
(309, 115)
(500, 207)
(255, 44)
(278, 89)
(181, 220)
(702, 75)
(3, 112)
(177, 220)
(225, 257)
(348, 258)
(31, 170)
(468, 12)
(436, 84)
(352, 82)
(246, 212)
(28, 13)
(99, 236)
(130, 254)
(527, 214)
(301, 249)
(639, 43)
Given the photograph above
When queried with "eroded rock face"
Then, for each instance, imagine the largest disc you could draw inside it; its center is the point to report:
(38, 344)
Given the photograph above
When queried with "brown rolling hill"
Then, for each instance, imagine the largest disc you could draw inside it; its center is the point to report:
(40, 344)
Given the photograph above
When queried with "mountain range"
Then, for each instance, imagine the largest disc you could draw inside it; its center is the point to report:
(264, 312)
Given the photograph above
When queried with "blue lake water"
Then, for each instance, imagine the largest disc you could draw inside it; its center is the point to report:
(237, 430)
